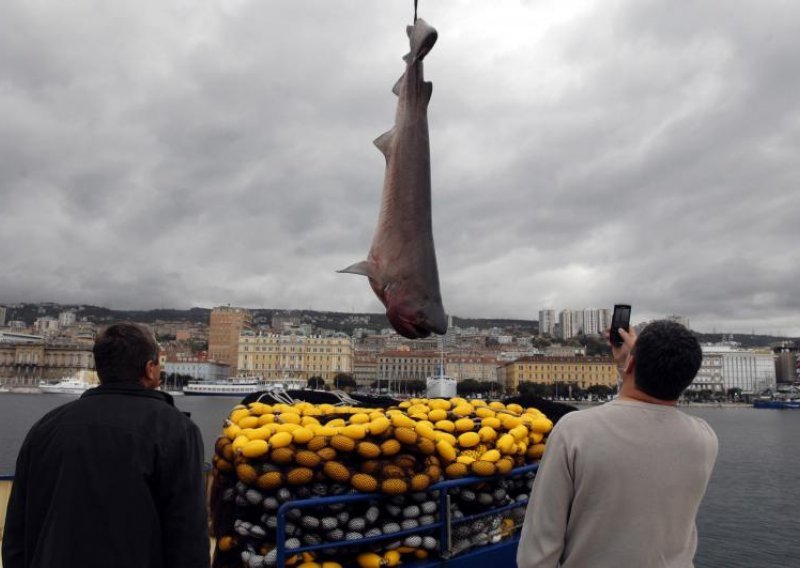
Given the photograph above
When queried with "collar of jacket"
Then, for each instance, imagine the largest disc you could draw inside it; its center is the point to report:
(129, 389)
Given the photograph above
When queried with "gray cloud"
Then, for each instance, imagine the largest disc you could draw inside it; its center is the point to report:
(169, 154)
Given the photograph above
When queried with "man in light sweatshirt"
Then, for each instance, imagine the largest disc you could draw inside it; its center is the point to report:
(620, 484)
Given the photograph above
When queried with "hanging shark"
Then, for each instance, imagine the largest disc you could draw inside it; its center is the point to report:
(401, 264)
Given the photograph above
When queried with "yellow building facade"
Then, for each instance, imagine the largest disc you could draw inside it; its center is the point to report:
(582, 372)
(276, 357)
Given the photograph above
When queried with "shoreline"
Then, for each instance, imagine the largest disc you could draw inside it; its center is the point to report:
(742, 405)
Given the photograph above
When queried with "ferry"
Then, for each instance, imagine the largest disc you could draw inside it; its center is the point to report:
(441, 386)
(237, 387)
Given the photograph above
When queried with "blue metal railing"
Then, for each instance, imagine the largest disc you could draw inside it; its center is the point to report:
(444, 523)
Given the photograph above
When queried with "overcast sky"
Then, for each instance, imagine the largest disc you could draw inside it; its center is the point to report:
(178, 153)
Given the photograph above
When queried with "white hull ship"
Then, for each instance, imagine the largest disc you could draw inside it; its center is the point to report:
(71, 385)
(237, 387)
(441, 386)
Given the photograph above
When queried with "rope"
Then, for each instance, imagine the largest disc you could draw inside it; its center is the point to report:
(415, 11)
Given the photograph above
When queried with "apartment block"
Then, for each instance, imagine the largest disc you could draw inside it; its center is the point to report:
(586, 321)
(225, 326)
(547, 322)
(566, 321)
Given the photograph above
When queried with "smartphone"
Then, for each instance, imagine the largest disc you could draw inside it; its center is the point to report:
(620, 319)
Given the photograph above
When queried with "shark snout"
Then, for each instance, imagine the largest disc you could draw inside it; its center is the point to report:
(417, 324)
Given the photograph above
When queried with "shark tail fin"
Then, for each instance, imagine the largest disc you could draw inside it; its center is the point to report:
(422, 36)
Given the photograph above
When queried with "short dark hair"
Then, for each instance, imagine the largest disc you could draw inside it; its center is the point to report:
(668, 357)
(121, 352)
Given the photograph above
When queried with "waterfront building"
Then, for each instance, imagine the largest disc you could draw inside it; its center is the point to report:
(225, 326)
(547, 322)
(280, 356)
(365, 368)
(197, 368)
(476, 366)
(786, 365)
(752, 371)
(581, 372)
(407, 365)
(24, 361)
(2, 316)
(709, 377)
(416, 365)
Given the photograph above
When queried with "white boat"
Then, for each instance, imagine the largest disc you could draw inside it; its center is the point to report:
(441, 386)
(70, 385)
(238, 387)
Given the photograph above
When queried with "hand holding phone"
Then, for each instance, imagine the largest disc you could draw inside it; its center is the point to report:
(620, 319)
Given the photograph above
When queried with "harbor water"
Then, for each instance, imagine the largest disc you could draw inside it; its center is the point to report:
(750, 517)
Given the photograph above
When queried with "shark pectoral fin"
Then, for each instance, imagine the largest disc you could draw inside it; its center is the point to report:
(364, 268)
(384, 142)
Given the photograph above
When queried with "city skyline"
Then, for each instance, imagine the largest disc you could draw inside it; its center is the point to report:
(173, 154)
(59, 314)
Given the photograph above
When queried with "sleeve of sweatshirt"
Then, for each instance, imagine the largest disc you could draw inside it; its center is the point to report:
(543, 532)
(13, 553)
(185, 521)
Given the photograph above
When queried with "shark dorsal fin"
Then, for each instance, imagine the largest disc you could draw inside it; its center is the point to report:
(384, 142)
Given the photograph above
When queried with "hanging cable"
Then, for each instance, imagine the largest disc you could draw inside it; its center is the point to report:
(415, 11)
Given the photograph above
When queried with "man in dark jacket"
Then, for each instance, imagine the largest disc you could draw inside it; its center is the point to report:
(114, 478)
